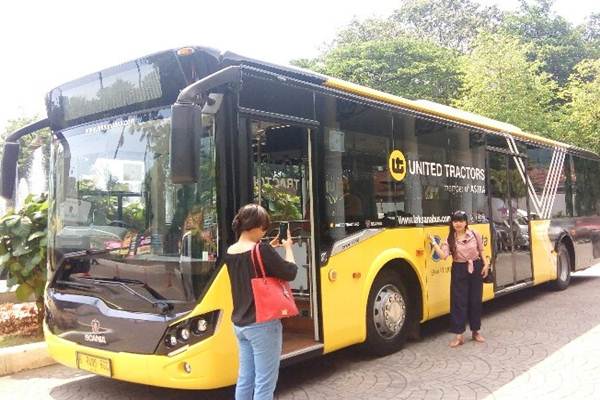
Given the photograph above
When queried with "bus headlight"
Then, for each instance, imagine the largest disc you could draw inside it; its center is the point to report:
(171, 341)
(184, 334)
(200, 326)
(188, 332)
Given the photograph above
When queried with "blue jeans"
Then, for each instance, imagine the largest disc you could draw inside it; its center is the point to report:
(260, 352)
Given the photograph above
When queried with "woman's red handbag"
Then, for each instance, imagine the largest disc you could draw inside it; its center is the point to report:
(272, 296)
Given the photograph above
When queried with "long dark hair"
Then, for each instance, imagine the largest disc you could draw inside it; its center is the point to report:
(456, 216)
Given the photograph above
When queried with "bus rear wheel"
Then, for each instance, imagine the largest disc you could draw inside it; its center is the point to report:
(388, 314)
(563, 268)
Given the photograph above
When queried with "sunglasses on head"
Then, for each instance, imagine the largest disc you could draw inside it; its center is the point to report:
(459, 216)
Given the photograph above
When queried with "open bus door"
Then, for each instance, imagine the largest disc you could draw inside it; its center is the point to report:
(280, 173)
(510, 228)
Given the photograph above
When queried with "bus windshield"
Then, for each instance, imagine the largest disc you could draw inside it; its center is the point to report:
(115, 215)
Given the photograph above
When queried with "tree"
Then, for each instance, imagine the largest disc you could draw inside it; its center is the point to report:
(365, 31)
(580, 115)
(591, 35)
(557, 44)
(501, 83)
(453, 24)
(404, 66)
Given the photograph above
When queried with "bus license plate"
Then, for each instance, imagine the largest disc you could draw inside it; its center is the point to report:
(97, 365)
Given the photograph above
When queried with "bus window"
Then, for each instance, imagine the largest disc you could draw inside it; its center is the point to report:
(445, 171)
(358, 187)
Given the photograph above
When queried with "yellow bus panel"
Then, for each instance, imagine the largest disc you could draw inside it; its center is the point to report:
(348, 276)
(542, 251)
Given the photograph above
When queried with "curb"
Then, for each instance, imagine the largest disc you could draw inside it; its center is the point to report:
(8, 297)
(11, 297)
(26, 356)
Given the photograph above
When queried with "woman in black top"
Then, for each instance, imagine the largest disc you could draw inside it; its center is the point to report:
(259, 343)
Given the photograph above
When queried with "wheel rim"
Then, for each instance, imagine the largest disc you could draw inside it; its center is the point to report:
(389, 311)
(564, 266)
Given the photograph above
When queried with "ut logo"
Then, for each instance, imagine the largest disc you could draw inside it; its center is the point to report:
(397, 165)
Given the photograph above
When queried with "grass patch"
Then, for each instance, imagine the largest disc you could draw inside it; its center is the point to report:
(15, 340)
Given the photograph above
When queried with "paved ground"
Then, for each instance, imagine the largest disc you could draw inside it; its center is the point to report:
(541, 345)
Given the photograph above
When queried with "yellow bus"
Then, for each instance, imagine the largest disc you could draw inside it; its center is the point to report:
(152, 158)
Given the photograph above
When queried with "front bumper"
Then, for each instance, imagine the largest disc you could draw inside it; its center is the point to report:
(213, 361)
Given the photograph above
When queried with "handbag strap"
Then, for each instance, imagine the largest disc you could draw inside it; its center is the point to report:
(256, 254)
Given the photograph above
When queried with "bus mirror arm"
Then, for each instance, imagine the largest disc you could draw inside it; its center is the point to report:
(199, 89)
(9, 169)
(11, 156)
(186, 121)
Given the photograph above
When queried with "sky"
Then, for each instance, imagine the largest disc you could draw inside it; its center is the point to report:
(47, 43)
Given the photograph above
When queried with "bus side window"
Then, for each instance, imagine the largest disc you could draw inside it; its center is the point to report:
(357, 189)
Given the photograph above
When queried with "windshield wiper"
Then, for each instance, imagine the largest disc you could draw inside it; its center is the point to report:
(116, 279)
(75, 284)
(87, 253)
(163, 306)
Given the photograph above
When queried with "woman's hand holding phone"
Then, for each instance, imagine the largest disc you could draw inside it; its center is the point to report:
(283, 239)
(287, 242)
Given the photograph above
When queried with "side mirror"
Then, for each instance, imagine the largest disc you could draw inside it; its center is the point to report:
(9, 169)
(186, 124)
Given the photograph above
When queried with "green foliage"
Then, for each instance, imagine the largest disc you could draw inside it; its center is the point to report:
(508, 65)
(134, 216)
(23, 240)
(365, 31)
(500, 182)
(103, 208)
(591, 35)
(501, 83)
(556, 43)
(282, 206)
(453, 24)
(580, 115)
(404, 66)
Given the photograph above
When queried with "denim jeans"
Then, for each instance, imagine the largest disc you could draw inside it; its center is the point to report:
(260, 352)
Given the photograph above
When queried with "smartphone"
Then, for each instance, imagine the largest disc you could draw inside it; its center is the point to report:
(283, 230)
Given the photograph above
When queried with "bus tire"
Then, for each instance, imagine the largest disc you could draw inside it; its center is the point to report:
(388, 314)
(563, 268)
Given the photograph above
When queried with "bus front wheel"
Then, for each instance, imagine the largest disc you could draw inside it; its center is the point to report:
(388, 314)
(563, 268)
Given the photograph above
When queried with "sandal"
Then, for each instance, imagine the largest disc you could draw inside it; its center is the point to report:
(457, 341)
(477, 337)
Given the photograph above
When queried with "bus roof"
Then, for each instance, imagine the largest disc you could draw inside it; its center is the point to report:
(421, 106)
